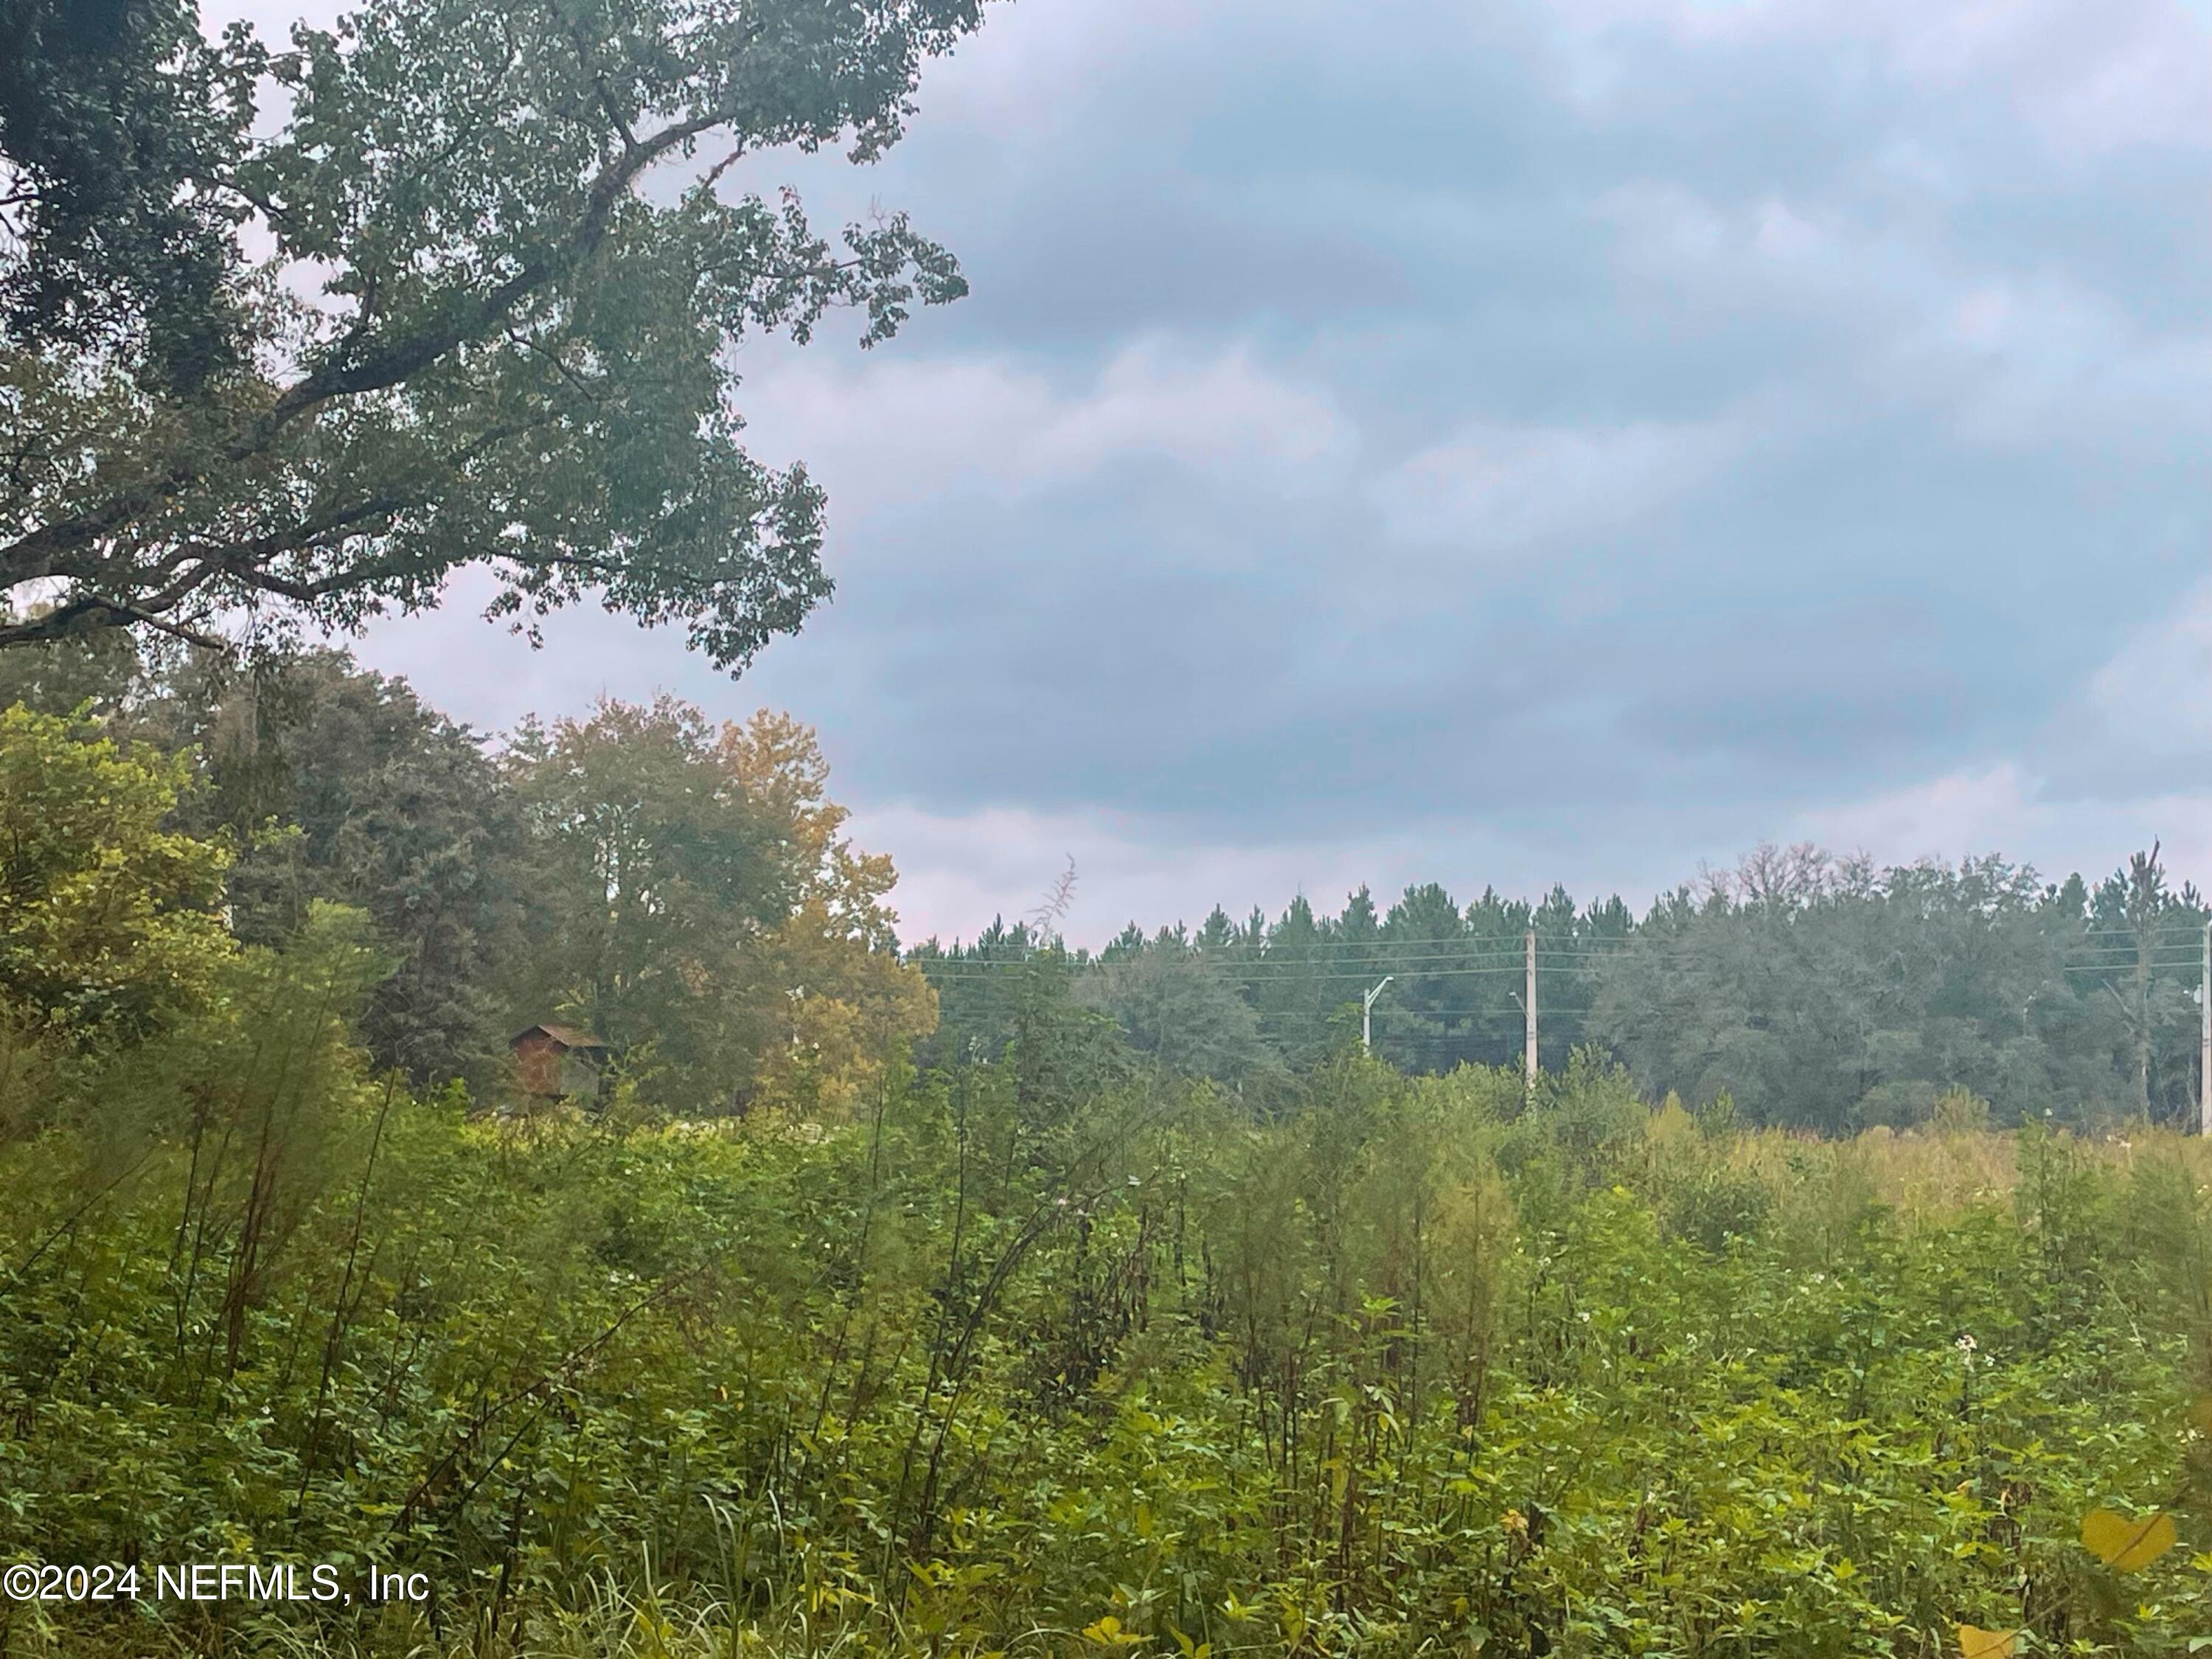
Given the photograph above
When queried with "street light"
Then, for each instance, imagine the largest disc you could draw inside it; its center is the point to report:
(1367, 1013)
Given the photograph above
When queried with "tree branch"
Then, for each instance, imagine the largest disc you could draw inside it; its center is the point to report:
(91, 612)
(598, 76)
(40, 553)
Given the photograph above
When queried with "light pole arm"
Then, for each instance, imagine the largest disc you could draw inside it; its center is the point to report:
(1367, 1014)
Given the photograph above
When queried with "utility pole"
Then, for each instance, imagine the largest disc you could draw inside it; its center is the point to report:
(1367, 1015)
(1529, 1010)
(2204, 1046)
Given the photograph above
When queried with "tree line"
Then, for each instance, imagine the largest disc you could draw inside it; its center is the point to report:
(685, 891)
(681, 890)
(1807, 989)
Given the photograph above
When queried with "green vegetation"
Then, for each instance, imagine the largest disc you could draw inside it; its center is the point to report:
(1813, 991)
(1414, 1369)
(519, 358)
(1061, 1344)
(642, 873)
(983, 1299)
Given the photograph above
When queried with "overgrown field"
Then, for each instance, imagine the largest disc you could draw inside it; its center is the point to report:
(1413, 1368)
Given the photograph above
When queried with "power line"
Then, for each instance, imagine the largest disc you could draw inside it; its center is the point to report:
(1456, 966)
(1389, 952)
(1555, 943)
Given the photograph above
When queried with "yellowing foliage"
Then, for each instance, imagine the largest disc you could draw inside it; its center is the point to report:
(711, 920)
(841, 1004)
(2125, 1543)
(846, 1010)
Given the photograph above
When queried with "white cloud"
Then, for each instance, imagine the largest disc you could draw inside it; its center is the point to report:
(890, 431)
(2010, 358)
(956, 872)
(1721, 260)
(1957, 814)
(2086, 75)
(2155, 695)
(1985, 317)
(2002, 808)
(1498, 489)
(2037, 361)
(2108, 783)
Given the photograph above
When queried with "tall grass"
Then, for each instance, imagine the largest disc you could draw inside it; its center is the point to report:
(1419, 1368)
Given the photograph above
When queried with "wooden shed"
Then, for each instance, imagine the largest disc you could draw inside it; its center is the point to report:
(557, 1063)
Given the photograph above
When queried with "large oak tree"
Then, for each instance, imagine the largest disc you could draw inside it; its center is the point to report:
(474, 302)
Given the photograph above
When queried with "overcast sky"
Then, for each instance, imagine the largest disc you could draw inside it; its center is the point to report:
(1498, 444)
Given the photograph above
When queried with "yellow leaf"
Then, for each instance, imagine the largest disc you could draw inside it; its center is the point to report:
(2127, 1544)
(1975, 1644)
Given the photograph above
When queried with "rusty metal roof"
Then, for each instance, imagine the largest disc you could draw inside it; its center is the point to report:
(566, 1036)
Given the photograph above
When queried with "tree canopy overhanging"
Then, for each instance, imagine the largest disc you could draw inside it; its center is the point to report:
(474, 301)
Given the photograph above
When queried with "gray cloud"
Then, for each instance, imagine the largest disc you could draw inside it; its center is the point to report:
(1429, 426)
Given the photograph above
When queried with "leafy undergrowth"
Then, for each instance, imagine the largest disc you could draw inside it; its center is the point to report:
(1416, 1368)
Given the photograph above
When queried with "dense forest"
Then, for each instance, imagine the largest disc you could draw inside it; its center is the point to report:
(680, 889)
(1807, 989)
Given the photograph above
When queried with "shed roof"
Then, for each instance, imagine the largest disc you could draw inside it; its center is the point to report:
(566, 1036)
